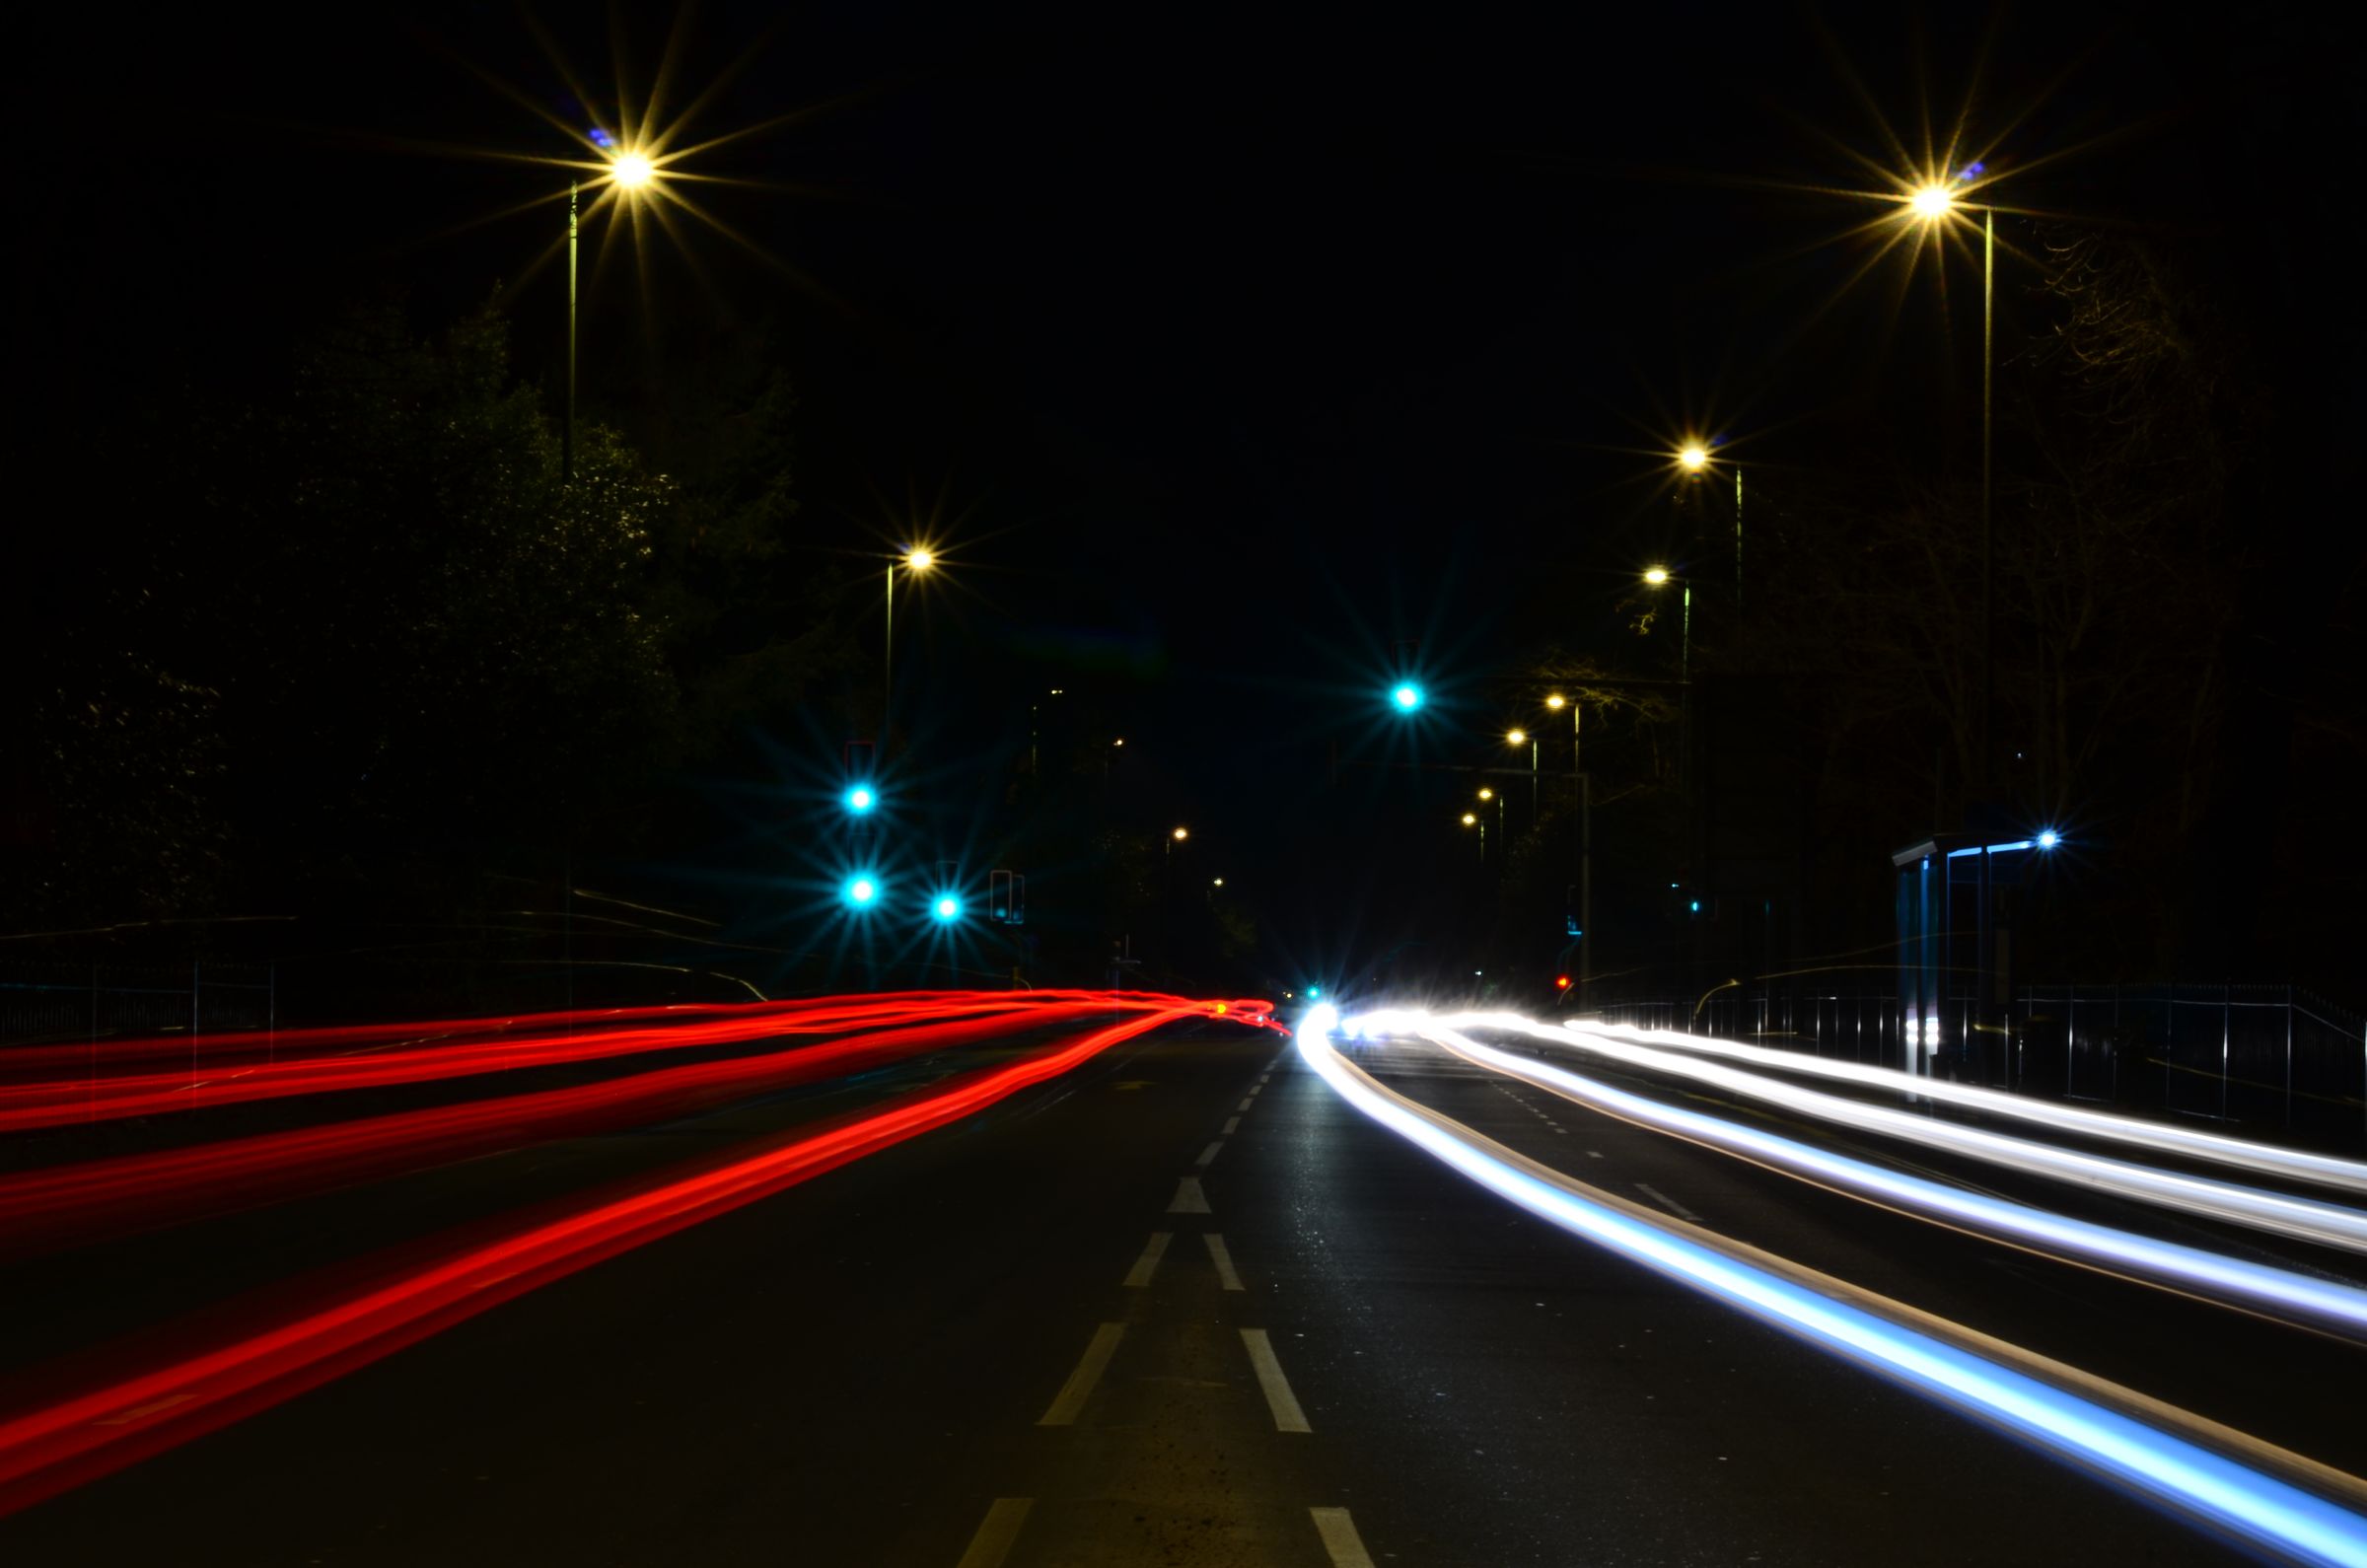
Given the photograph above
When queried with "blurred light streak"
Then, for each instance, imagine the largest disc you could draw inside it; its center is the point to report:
(2277, 1293)
(75, 1099)
(62, 1445)
(2222, 1492)
(2303, 1219)
(2262, 1158)
(89, 1201)
(114, 1056)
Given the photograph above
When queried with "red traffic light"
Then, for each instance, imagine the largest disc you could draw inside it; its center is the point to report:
(1561, 982)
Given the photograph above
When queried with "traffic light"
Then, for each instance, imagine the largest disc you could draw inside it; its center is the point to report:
(1561, 982)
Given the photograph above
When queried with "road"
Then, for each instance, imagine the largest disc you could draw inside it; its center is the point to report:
(1181, 1305)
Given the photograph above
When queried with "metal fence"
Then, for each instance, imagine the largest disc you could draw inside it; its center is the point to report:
(46, 1002)
(2270, 1058)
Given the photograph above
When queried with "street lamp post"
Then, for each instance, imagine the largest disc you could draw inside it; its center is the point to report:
(1931, 204)
(1584, 783)
(1694, 458)
(1523, 737)
(920, 560)
(626, 171)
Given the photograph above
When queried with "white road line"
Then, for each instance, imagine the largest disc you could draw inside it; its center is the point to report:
(1222, 1256)
(1209, 1154)
(1667, 1202)
(1232, 1125)
(1244, 1105)
(1593, 1153)
(1154, 1249)
(1000, 1527)
(1189, 1199)
(1079, 1386)
(1288, 1417)
(1254, 1087)
(1340, 1540)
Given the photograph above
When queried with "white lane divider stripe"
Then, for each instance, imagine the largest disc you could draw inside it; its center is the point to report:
(1667, 1202)
(1189, 1199)
(1079, 1386)
(1154, 1249)
(1340, 1541)
(1000, 1527)
(1232, 1125)
(1209, 1154)
(1222, 1256)
(1288, 1417)
(1244, 1105)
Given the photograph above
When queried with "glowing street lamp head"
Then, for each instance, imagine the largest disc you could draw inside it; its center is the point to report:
(947, 908)
(861, 799)
(1182, 833)
(2049, 839)
(1517, 736)
(920, 560)
(1487, 795)
(631, 171)
(1558, 702)
(1931, 202)
(1407, 696)
(1693, 458)
(862, 892)
(1468, 819)
(1657, 576)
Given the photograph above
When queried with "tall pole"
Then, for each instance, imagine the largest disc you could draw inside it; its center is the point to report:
(888, 662)
(1738, 535)
(1989, 577)
(567, 431)
(1586, 847)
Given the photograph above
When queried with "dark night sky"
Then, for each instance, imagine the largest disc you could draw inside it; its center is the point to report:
(1257, 339)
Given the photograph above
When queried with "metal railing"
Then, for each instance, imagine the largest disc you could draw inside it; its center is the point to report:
(2270, 1058)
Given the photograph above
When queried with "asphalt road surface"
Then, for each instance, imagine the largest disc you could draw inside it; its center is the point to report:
(1180, 1307)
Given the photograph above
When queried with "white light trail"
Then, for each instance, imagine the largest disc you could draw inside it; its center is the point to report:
(2326, 1224)
(2250, 1503)
(2278, 1292)
(2262, 1158)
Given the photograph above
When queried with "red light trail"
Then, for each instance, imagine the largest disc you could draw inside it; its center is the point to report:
(88, 1434)
(63, 1102)
(89, 1201)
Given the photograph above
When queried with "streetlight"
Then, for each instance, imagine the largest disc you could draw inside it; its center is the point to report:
(1585, 785)
(1695, 459)
(628, 172)
(918, 559)
(1520, 738)
(862, 800)
(1405, 696)
(1661, 576)
(862, 891)
(1930, 203)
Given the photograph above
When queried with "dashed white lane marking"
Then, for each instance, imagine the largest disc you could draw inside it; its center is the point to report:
(1079, 1386)
(1667, 1202)
(1253, 1088)
(1244, 1105)
(1593, 1153)
(1232, 1125)
(1154, 1249)
(1340, 1540)
(1000, 1527)
(1222, 1256)
(1189, 1199)
(1209, 1154)
(1288, 1417)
